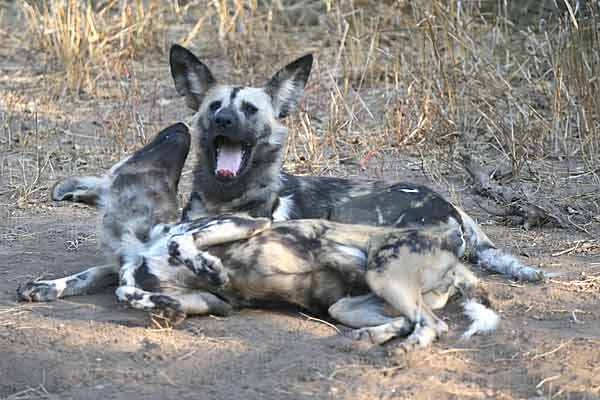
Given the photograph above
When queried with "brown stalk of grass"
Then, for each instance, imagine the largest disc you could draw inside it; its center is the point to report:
(80, 38)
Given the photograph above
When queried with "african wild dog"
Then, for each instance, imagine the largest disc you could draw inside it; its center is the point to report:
(240, 144)
(384, 281)
(135, 195)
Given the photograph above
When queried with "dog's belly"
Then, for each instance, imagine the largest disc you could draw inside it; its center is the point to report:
(315, 291)
(271, 269)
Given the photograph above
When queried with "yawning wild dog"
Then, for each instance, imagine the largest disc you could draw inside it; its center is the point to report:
(240, 142)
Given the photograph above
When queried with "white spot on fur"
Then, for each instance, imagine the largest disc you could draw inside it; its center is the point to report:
(484, 319)
(126, 274)
(353, 252)
(283, 212)
(399, 220)
(59, 285)
(409, 190)
(380, 220)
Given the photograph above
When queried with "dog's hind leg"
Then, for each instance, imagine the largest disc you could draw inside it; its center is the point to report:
(406, 299)
(82, 282)
(402, 268)
(81, 189)
(368, 314)
(173, 306)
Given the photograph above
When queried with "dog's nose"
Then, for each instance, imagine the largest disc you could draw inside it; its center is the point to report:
(224, 119)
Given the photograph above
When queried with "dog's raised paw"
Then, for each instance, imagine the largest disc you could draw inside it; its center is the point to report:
(37, 291)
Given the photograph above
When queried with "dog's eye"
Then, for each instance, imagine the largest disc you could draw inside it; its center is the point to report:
(214, 106)
(249, 109)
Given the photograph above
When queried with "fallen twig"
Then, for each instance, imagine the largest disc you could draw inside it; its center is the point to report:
(516, 204)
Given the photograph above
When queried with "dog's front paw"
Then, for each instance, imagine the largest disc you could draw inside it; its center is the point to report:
(167, 309)
(37, 291)
(371, 335)
(421, 337)
(182, 250)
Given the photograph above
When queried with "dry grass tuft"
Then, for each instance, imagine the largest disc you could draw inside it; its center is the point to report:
(394, 83)
(83, 37)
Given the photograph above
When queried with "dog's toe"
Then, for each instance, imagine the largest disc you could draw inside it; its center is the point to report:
(37, 291)
(361, 334)
(421, 337)
(370, 335)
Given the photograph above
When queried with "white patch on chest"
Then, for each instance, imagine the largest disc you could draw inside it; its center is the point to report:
(284, 209)
(409, 190)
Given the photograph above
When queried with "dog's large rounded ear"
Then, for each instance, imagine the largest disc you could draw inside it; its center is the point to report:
(79, 189)
(287, 85)
(192, 78)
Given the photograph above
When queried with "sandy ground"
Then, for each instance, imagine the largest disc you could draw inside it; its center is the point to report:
(89, 347)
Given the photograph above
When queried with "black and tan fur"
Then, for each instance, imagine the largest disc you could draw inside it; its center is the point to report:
(383, 281)
(248, 119)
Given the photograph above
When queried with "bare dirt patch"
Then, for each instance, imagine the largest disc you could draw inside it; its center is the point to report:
(397, 92)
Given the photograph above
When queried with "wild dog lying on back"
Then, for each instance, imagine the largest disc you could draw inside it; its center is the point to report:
(240, 144)
(135, 195)
(394, 276)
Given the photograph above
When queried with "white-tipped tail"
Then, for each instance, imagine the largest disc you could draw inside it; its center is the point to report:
(483, 319)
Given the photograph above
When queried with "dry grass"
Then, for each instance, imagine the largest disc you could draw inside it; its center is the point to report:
(516, 84)
(84, 37)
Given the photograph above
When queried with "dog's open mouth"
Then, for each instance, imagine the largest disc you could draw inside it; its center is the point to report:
(231, 158)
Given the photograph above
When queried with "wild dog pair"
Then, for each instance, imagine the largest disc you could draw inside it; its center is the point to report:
(238, 171)
(384, 281)
(240, 143)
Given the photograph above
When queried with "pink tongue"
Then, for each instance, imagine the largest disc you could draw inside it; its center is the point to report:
(229, 159)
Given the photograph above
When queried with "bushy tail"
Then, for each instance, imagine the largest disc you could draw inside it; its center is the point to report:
(483, 318)
(477, 305)
(483, 252)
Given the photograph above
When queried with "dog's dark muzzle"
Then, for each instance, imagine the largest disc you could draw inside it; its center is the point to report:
(230, 146)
